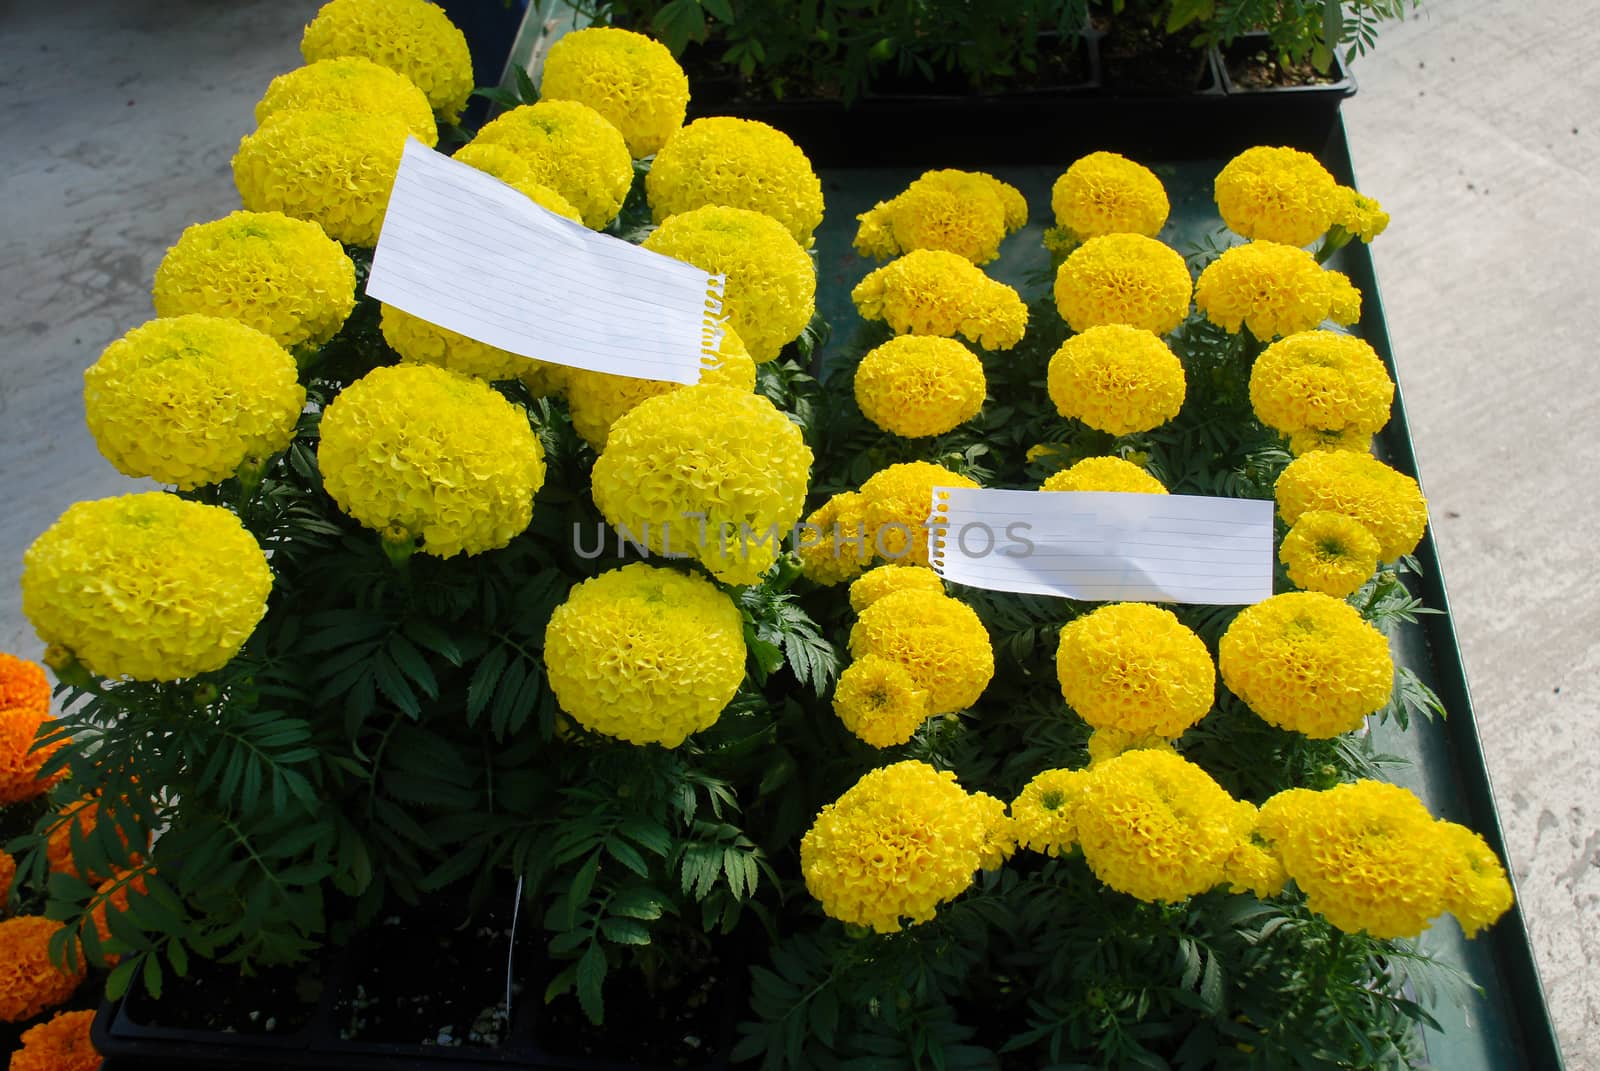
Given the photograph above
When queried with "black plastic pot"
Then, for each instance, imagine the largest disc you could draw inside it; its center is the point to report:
(1301, 117)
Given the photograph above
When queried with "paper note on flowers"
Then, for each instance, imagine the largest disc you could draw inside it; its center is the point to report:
(1101, 546)
(462, 250)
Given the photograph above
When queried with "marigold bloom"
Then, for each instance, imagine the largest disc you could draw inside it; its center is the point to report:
(1477, 891)
(1388, 503)
(1272, 289)
(79, 819)
(23, 686)
(645, 654)
(1359, 215)
(894, 509)
(1105, 193)
(1109, 742)
(146, 585)
(916, 385)
(20, 761)
(736, 163)
(718, 473)
(350, 84)
(878, 701)
(1321, 381)
(419, 342)
(1330, 553)
(279, 275)
(884, 579)
(1117, 379)
(900, 842)
(1135, 667)
(189, 400)
(1352, 439)
(113, 893)
(939, 640)
(514, 171)
(419, 452)
(771, 286)
(1123, 279)
(630, 79)
(932, 292)
(1000, 832)
(1044, 814)
(1344, 300)
(570, 148)
(1104, 474)
(1252, 866)
(29, 982)
(834, 545)
(61, 1044)
(410, 37)
(1277, 195)
(963, 212)
(8, 874)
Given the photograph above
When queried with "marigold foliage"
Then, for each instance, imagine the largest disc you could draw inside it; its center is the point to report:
(1135, 667)
(939, 640)
(833, 545)
(421, 453)
(1117, 379)
(736, 163)
(570, 148)
(508, 167)
(630, 79)
(1477, 891)
(1388, 503)
(419, 342)
(332, 168)
(894, 509)
(645, 654)
(1330, 553)
(1106, 193)
(60, 1044)
(918, 385)
(1044, 814)
(350, 84)
(1277, 195)
(900, 842)
(410, 37)
(1123, 279)
(879, 701)
(78, 818)
(1359, 215)
(771, 286)
(279, 275)
(1321, 381)
(187, 401)
(1307, 662)
(1270, 288)
(113, 894)
(963, 212)
(717, 472)
(932, 292)
(29, 982)
(146, 585)
(884, 579)
(1104, 474)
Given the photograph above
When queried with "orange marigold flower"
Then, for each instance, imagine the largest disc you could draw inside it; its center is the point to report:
(29, 982)
(20, 761)
(85, 814)
(8, 872)
(62, 1044)
(114, 892)
(23, 685)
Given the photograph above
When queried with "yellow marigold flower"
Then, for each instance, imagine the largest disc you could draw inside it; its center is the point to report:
(410, 37)
(894, 508)
(645, 654)
(570, 148)
(1307, 662)
(1156, 826)
(598, 400)
(883, 579)
(1352, 439)
(1388, 503)
(901, 841)
(1135, 667)
(61, 1044)
(1104, 474)
(1477, 891)
(1000, 832)
(1359, 215)
(1123, 279)
(932, 292)
(8, 873)
(630, 79)
(419, 342)
(1277, 195)
(1321, 381)
(281, 276)
(918, 385)
(187, 401)
(1367, 855)
(350, 84)
(833, 544)
(1329, 553)
(1108, 743)
(29, 982)
(1044, 814)
(939, 640)
(1251, 866)
(508, 167)
(771, 285)
(1270, 288)
(963, 212)
(736, 163)
(332, 168)
(146, 586)
(714, 473)
(1344, 300)
(1117, 379)
(1105, 193)
(879, 702)
(419, 452)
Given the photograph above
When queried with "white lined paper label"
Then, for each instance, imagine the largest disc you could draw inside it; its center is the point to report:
(1102, 546)
(462, 250)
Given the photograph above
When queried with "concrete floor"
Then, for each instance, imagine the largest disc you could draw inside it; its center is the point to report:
(1477, 125)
